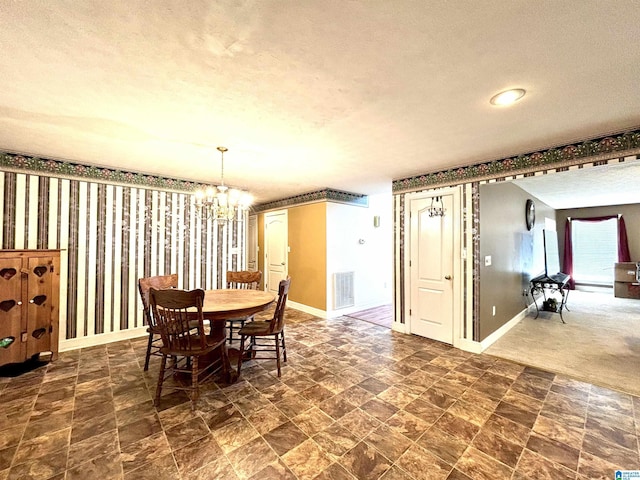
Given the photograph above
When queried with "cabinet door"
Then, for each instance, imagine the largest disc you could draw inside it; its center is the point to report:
(12, 349)
(40, 305)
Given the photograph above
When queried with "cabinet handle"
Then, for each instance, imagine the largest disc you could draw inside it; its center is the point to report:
(31, 301)
(20, 303)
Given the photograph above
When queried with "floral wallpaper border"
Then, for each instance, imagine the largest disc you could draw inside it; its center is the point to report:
(319, 195)
(58, 168)
(553, 158)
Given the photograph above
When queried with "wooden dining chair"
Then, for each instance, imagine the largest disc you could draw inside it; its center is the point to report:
(191, 349)
(158, 282)
(261, 333)
(243, 279)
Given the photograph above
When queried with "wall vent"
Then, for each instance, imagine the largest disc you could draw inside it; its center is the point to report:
(343, 290)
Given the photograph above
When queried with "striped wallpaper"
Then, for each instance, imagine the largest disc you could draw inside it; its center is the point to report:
(110, 236)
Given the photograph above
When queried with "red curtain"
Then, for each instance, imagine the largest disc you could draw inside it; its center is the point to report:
(567, 258)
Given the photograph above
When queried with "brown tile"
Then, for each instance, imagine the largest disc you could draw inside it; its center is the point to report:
(334, 471)
(532, 465)
(317, 394)
(285, 437)
(312, 421)
(397, 397)
(424, 410)
(457, 426)
(274, 471)
(234, 435)
(134, 431)
(422, 465)
(359, 423)
(267, 419)
(306, 460)
(221, 417)
(409, 425)
(553, 450)
(390, 443)
(6, 457)
(162, 468)
(364, 462)
(374, 385)
(40, 446)
(480, 466)
(135, 412)
(611, 433)
(336, 440)
(196, 455)
(186, 432)
(218, 468)
(595, 468)
(104, 467)
(379, 409)
(516, 414)
(438, 397)
(470, 412)
(498, 447)
(84, 429)
(48, 424)
(92, 447)
(336, 407)
(606, 450)
(252, 457)
(11, 436)
(554, 430)
(443, 445)
(45, 466)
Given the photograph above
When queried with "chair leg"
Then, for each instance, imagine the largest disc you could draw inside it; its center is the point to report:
(146, 358)
(277, 352)
(242, 338)
(160, 379)
(230, 339)
(284, 348)
(194, 383)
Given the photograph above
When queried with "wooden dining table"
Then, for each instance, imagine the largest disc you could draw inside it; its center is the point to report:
(222, 304)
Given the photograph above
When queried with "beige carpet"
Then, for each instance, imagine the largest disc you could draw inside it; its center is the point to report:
(599, 344)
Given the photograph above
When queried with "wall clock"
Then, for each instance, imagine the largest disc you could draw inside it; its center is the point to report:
(530, 214)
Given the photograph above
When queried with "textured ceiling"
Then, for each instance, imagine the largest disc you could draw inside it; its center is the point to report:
(308, 94)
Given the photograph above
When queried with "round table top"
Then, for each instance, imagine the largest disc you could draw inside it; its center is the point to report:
(230, 302)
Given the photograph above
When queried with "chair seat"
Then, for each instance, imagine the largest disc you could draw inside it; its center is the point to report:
(212, 344)
(256, 329)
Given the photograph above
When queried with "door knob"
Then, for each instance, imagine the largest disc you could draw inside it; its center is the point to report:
(447, 277)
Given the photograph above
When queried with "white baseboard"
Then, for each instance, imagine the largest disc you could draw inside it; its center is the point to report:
(101, 339)
(399, 327)
(307, 309)
(491, 339)
(468, 345)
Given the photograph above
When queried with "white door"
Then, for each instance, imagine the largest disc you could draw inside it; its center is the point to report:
(275, 249)
(431, 303)
(252, 243)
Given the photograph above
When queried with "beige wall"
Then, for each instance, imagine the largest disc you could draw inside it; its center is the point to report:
(517, 255)
(308, 254)
(307, 232)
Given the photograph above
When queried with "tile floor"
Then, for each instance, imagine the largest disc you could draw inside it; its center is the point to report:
(355, 401)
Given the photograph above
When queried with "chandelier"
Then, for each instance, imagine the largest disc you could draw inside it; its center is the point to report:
(436, 209)
(221, 203)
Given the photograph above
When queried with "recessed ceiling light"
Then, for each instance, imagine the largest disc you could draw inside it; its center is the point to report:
(507, 97)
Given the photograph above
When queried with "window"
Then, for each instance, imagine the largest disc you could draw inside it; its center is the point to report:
(595, 250)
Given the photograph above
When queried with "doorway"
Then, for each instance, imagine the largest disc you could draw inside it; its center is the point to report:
(275, 249)
(434, 265)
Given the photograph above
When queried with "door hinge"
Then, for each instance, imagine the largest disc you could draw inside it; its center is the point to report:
(409, 312)
(51, 268)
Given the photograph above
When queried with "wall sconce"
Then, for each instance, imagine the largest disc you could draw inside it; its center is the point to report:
(376, 221)
(437, 207)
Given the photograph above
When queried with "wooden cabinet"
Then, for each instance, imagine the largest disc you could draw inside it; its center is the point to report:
(29, 304)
